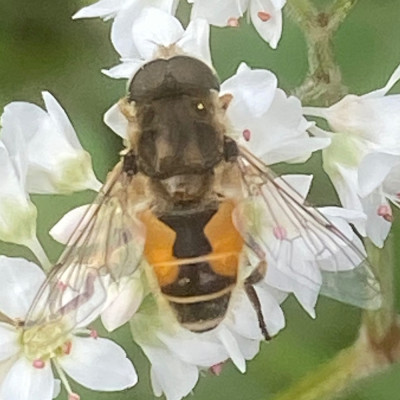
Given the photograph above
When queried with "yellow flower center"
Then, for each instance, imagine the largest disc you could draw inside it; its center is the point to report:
(42, 342)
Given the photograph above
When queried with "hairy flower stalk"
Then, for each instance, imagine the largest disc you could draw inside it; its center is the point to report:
(323, 83)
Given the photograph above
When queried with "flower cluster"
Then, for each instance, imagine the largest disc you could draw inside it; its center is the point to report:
(361, 156)
(44, 156)
(266, 16)
(363, 160)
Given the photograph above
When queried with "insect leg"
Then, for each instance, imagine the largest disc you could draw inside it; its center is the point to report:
(129, 163)
(257, 275)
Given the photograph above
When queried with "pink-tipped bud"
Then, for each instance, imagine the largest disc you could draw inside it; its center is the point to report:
(264, 16)
(233, 22)
(385, 212)
(280, 232)
(94, 334)
(217, 369)
(38, 364)
(246, 135)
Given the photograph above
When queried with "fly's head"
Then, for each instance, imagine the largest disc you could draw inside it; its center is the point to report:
(179, 118)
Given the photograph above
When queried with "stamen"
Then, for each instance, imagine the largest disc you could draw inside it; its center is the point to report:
(64, 381)
(38, 364)
(246, 135)
(385, 212)
(280, 232)
(67, 347)
(264, 16)
(94, 334)
(233, 22)
(217, 369)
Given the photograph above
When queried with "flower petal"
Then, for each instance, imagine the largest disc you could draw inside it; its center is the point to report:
(219, 12)
(307, 295)
(167, 372)
(202, 350)
(195, 40)
(115, 120)
(104, 9)
(17, 213)
(155, 28)
(391, 82)
(267, 19)
(9, 345)
(374, 119)
(60, 120)
(373, 170)
(24, 382)
(125, 70)
(253, 92)
(125, 303)
(66, 170)
(232, 347)
(377, 227)
(21, 279)
(99, 364)
(66, 226)
(300, 183)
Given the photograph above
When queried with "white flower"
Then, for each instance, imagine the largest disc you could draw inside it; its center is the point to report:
(178, 355)
(124, 298)
(292, 266)
(55, 160)
(154, 33)
(361, 160)
(265, 120)
(266, 15)
(98, 364)
(17, 213)
(108, 9)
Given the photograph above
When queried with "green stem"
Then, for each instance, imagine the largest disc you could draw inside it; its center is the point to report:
(35, 246)
(377, 346)
(323, 83)
(339, 11)
(382, 326)
(328, 380)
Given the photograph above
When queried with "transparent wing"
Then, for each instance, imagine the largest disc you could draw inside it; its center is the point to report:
(105, 247)
(301, 246)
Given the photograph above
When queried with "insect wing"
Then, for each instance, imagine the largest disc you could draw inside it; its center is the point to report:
(105, 247)
(301, 246)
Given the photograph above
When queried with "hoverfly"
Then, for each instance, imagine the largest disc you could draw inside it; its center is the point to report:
(191, 206)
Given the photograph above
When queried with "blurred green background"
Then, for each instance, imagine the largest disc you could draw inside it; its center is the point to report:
(41, 48)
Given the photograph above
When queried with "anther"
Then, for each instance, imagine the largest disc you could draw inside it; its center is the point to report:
(264, 16)
(216, 369)
(385, 212)
(74, 396)
(233, 22)
(94, 334)
(38, 364)
(280, 232)
(246, 135)
(67, 347)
